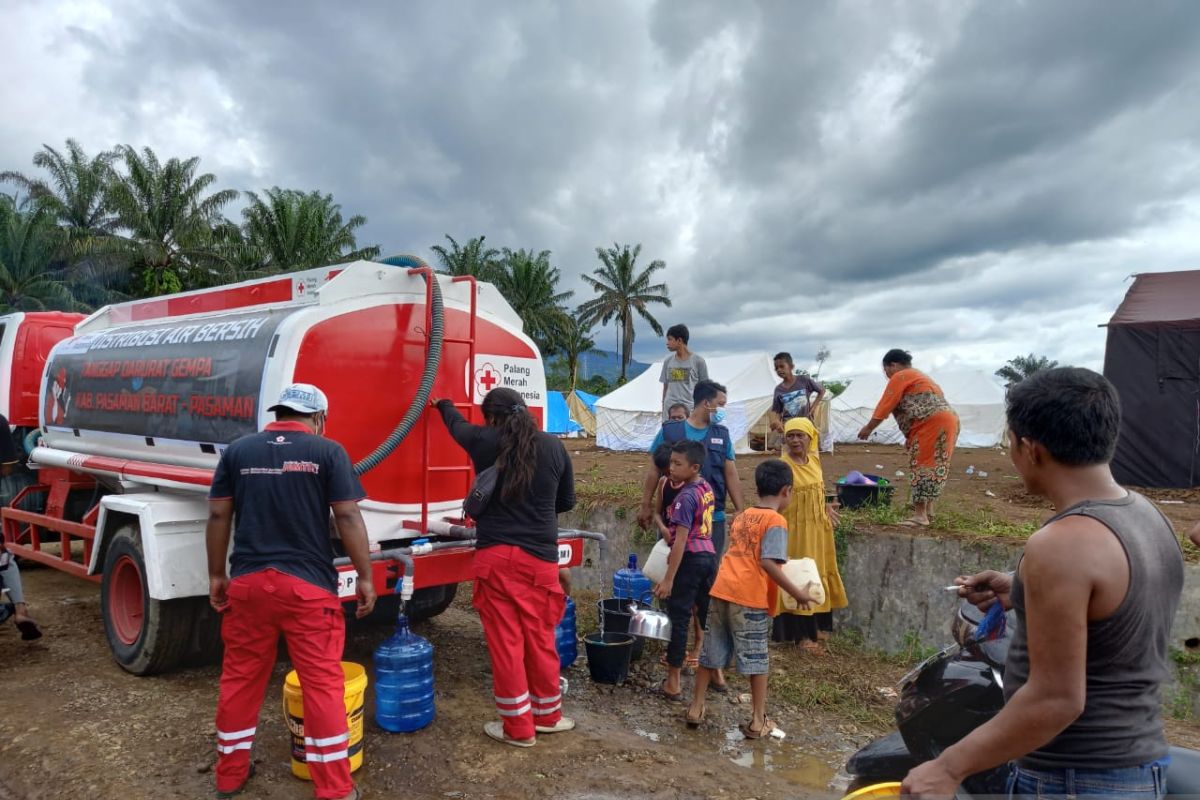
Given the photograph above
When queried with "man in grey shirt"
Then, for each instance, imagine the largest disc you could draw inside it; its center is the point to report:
(681, 370)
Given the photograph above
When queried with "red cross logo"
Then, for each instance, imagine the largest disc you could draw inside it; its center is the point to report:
(485, 378)
(300, 288)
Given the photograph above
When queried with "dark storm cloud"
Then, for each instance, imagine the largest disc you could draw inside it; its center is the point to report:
(888, 169)
(1028, 124)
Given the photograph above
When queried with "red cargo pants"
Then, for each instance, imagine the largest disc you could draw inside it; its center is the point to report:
(520, 603)
(261, 606)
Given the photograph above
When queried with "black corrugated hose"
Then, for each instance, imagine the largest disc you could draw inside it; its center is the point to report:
(433, 360)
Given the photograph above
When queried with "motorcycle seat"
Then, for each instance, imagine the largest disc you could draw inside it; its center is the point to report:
(1183, 776)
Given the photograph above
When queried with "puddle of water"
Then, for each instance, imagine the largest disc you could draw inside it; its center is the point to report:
(779, 758)
(654, 737)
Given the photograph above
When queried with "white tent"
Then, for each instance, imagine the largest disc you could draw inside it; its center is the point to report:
(976, 395)
(629, 417)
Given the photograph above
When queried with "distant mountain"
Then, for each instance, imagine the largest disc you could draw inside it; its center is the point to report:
(605, 364)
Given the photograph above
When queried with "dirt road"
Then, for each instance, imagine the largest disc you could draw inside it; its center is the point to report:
(74, 725)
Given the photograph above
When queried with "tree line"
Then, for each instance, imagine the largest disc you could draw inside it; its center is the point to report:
(87, 230)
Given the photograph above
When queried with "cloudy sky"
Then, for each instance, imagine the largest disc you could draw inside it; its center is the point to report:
(968, 180)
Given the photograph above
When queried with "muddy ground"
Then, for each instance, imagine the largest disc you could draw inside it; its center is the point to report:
(72, 724)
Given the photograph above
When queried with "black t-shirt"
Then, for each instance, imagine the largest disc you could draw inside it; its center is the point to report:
(282, 482)
(8, 446)
(531, 525)
(667, 499)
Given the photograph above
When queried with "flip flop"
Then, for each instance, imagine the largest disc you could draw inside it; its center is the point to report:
(912, 523)
(674, 697)
(750, 733)
(692, 662)
(719, 688)
(496, 731)
(29, 630)
(695, 722)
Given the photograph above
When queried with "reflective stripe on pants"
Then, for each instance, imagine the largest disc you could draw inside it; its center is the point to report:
(520, 602)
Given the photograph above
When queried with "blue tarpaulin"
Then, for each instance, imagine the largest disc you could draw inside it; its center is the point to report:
(589, 400)
(559, 416)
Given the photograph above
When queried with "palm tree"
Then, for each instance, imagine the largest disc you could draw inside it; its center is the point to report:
(1019, 368)
(30, 244)
(75, 192)
(623, 291)
(167, 218)
(574, 342)
(470, 259)
(530, 285)
(235, 256)
(296, 230)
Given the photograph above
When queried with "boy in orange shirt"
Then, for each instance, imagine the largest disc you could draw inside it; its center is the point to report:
(743, 595)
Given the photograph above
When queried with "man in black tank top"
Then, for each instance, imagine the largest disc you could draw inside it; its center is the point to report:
(1095, 593)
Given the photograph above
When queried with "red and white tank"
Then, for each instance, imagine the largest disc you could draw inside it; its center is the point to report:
(158, 387)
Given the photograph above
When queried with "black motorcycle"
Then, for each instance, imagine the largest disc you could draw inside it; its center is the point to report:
(951, 694)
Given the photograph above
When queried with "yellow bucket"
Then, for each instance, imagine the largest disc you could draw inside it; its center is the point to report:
(875, 790)
(293, 712)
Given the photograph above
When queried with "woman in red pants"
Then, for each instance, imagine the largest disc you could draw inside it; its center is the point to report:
(516, 590)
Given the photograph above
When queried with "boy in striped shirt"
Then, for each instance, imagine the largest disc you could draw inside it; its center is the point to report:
(692, 564)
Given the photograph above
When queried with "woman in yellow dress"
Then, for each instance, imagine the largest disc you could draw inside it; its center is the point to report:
(810, 535)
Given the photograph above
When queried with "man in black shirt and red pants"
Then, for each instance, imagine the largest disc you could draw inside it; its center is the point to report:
(281, 484)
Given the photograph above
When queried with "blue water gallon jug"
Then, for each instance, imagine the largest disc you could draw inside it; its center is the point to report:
(404, 681)
(564, 637)
(630, 584)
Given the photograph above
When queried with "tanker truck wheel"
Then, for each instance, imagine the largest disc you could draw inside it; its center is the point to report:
(146, 636)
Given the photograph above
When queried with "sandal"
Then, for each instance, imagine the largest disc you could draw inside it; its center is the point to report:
(695, 722)
(29, 630)
(813, 648)
(750, 733)
(496, 731)
(674, 697)
(719, 688)
(692, 662)
(913, 523)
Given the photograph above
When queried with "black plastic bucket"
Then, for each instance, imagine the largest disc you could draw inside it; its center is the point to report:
(852, 495)
(615, 617)
(608, 656)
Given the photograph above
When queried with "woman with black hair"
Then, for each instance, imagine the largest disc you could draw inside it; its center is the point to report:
(929, 425)
(517, 591)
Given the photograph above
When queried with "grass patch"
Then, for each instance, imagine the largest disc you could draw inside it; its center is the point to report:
(912, 651)
(1179, 701)
(980, 522)
(845, 684)
(593, 490)
(948, 518)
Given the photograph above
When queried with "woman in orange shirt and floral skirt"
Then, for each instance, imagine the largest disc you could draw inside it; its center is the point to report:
(929, 425)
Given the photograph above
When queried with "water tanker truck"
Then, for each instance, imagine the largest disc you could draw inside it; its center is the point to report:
(136, 403)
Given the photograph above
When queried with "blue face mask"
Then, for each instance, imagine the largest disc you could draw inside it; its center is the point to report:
(718, 416)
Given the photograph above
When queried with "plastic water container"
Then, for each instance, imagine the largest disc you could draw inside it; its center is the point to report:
(803, 572)
(564, 637)
(404, 681)
(630, 584)
(656, 562)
